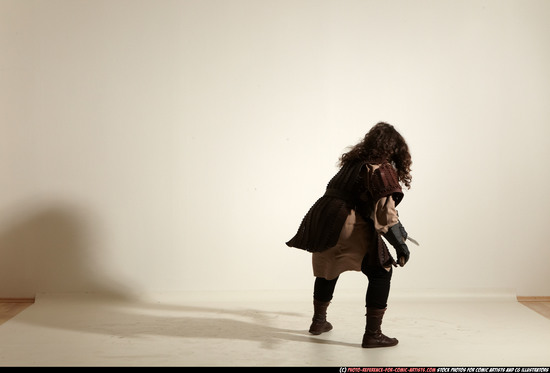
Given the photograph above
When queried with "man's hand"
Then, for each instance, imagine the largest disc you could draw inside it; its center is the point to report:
(396, 236)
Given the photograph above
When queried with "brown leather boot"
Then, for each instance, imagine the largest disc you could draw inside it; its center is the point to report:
(373, 336)
(319, 321)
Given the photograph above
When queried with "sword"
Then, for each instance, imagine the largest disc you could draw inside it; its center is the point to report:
(413, 240)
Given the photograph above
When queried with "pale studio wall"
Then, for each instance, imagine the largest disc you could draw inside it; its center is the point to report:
(176, 145)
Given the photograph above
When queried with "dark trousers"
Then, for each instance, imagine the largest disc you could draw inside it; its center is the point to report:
(378, 289)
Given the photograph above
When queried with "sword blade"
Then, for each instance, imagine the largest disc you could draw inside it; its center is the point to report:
(413, 240)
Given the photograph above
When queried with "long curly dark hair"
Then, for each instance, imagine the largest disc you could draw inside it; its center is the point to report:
(383, 143)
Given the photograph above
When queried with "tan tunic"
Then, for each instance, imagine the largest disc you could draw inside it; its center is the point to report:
(357, 239)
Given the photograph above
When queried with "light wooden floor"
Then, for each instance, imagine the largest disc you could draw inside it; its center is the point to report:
(538, 304)
(260, 329)
(11, 307)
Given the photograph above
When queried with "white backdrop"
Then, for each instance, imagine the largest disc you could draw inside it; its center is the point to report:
(176, 145)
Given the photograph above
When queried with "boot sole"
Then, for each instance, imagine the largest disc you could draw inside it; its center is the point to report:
(320, 332)
(380, 346)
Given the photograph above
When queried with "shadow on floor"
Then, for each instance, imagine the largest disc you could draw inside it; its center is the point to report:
(133, 319)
